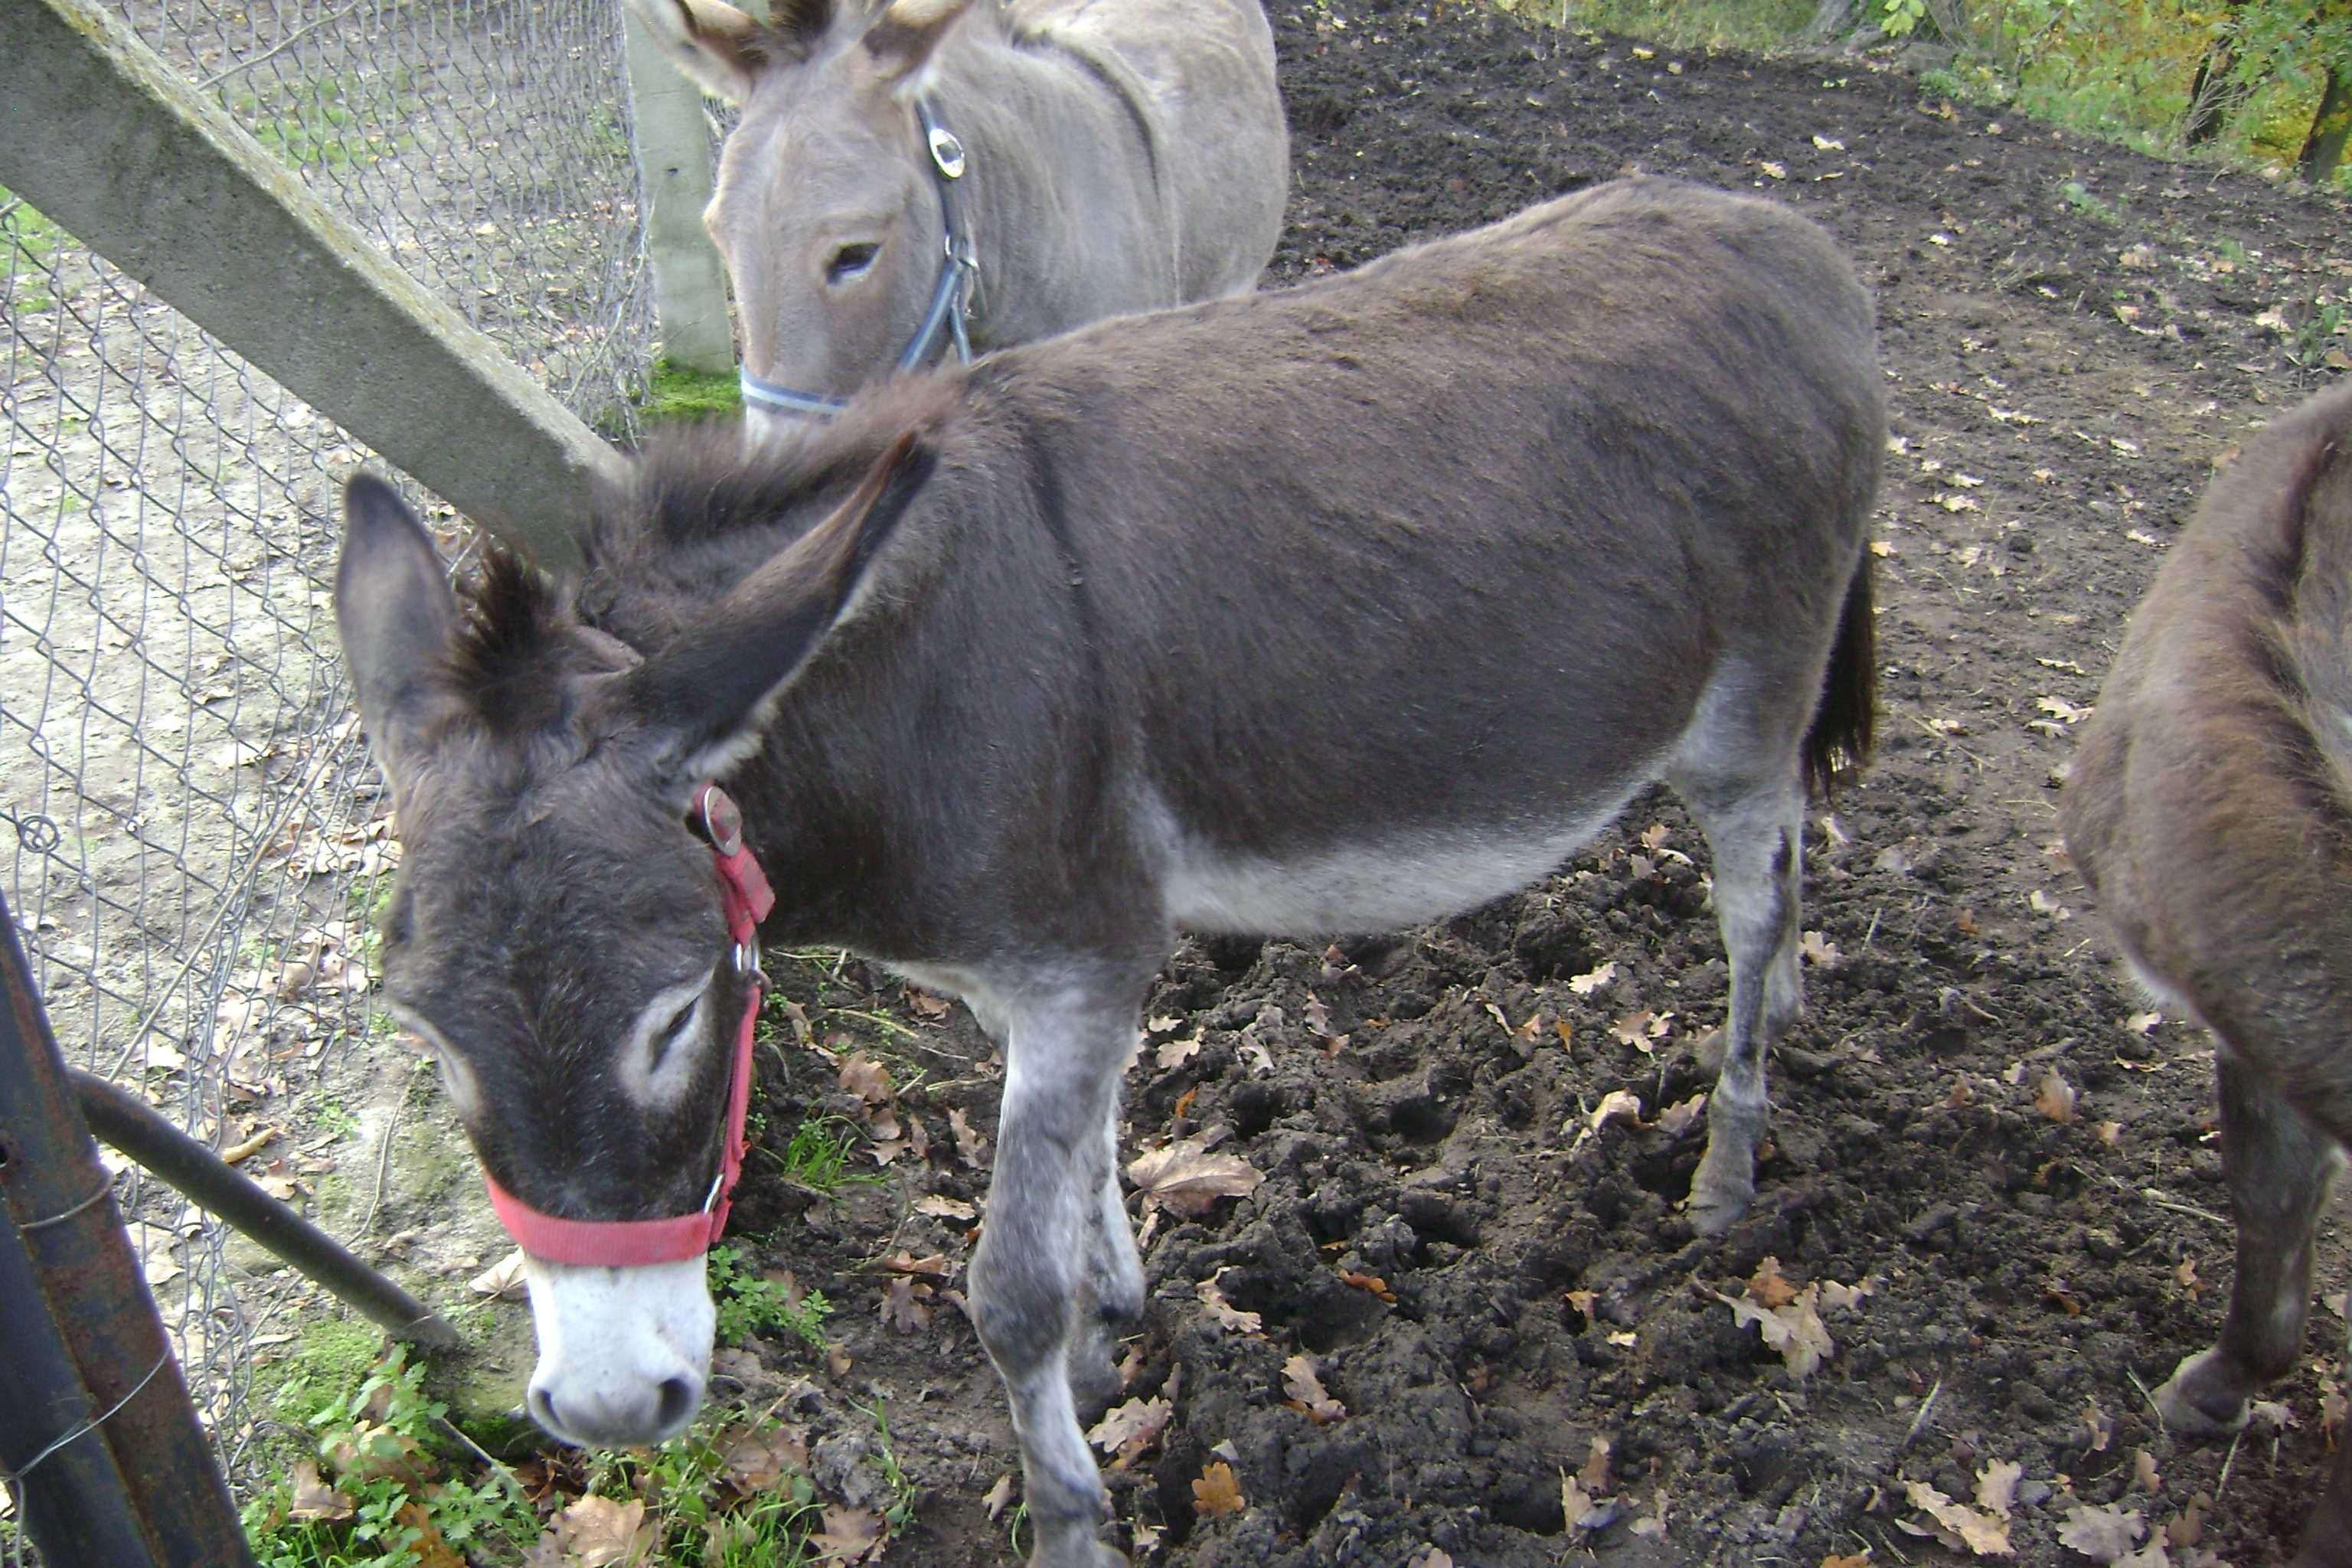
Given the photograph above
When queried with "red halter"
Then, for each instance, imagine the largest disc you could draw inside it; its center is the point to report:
(634, 1243)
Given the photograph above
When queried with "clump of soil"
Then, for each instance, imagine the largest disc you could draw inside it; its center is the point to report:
(1486, 1283)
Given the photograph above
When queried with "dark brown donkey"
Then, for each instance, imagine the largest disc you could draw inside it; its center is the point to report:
(2210, 808)
(1331, 610)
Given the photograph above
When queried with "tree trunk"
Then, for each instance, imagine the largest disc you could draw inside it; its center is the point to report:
(1832, 19)
(2205, 97)
(2322, 148)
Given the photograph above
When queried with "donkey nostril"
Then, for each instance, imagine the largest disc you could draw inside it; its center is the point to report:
(678, 1398)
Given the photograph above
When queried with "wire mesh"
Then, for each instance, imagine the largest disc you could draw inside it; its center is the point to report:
(193, 841)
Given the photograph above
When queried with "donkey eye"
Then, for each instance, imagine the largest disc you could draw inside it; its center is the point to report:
(851, 261)
(675, 1028)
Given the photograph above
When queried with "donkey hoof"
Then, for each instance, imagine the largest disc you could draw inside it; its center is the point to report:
(2200, 1399)
(1720, 1192)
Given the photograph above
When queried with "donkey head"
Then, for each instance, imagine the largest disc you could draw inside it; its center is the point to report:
(826, 212)
(555, 933)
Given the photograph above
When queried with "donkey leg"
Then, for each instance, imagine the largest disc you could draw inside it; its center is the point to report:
(2277, 1166)
(1113, 1287)
(1062, 1063)
(1755, 833)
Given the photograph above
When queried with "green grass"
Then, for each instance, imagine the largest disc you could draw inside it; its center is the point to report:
(680, 393)
(313, 124)
(818, 1154)
(32, 242)
(381, 1447)
(750, 1306)
(382, 1478)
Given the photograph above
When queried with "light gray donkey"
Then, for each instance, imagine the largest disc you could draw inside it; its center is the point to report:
(1329, 610)
(1107, 156)
(2210, 808)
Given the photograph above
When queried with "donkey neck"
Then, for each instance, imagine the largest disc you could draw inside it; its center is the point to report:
(1062, 191)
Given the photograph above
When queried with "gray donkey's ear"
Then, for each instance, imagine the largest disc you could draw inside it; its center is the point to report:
(396, 615)
(708, 694)
(906, 35)
(712, 43)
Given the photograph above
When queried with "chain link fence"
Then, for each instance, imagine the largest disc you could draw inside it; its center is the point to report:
(191, 836)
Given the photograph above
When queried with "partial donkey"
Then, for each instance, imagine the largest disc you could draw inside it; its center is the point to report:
(975, 173)
(2210, 808)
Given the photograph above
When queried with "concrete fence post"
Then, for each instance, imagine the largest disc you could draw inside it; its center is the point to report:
(111, 142)
(673, 148)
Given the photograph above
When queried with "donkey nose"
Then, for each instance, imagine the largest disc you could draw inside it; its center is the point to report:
(623, 1352)
(606, 1411)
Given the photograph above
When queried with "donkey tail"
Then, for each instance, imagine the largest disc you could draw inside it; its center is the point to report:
(1838, 739)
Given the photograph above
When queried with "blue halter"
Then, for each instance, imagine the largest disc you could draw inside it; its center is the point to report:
(951, 307)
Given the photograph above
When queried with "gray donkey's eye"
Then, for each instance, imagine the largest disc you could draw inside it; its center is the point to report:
(851, 261)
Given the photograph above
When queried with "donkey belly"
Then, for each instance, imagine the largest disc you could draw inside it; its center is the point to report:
(1381, 882)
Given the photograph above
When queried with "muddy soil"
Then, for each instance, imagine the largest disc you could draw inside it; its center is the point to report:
(2073, 335)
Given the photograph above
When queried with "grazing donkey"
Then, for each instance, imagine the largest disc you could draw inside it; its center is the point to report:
(2211, 809)
(1328, 610)
(1069, 159)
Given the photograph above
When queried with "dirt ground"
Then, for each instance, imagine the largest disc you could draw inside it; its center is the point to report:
(2073, 335)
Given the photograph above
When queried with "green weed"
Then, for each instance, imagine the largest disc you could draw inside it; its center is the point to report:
(818, 1154)
(749, 1305)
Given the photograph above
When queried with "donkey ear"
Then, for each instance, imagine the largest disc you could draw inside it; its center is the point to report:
(396, 615)
(709, 694)
(709, 40)
(903, 38)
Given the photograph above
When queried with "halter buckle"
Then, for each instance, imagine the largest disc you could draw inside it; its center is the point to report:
(723, 820)
(947, 151)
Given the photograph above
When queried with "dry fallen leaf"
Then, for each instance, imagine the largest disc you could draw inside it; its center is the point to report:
(903, 1306)
(866, 1078)
(2054, 1097)
(1848, 1560)
(1371, 1284)
(313, 1498)
(850, 1535)
(970, 1147)
(1225, 1311)
(1820, 953)
(941, 1207)
(603, 1532)
(2145, 1474)
(1593, 1474)
(2100, 1426)
(503, 1280)
(1997, 1486)
(1187, 1179)
(1586, 985)
(1679, 1118)
(1131, 1427)
(1217, 1491)
(757, 1461)
(2103, 1534)
(1617, 1105)
(1767, 1285)
(1583, 1510)
(1302, 1382)
(1176, 1053)
(1958, 1525)
(1796, 1331)
(995, 1499)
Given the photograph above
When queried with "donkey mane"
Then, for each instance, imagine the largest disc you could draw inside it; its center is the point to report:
(796, 29)
(512, 623)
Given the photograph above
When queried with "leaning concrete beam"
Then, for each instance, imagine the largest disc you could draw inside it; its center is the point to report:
(103, 137)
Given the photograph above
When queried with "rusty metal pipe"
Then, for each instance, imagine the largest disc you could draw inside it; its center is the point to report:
(60, 1206)
(122, 1120)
